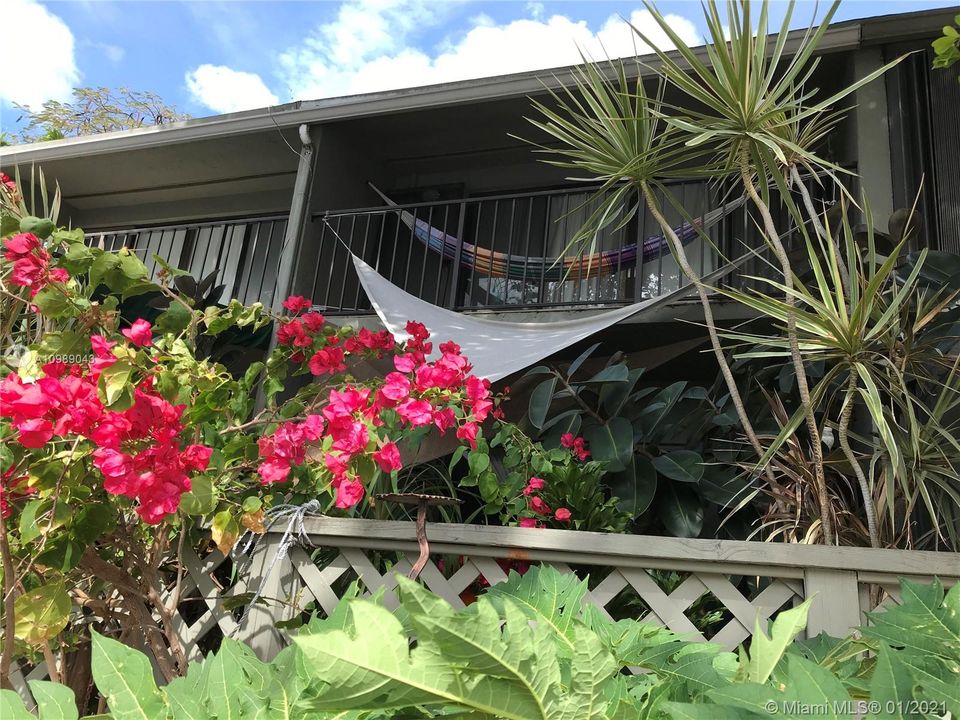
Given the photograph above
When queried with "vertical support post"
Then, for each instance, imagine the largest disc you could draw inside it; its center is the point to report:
(835, 609)
(299, 215)
(259, 629)
(455, 269)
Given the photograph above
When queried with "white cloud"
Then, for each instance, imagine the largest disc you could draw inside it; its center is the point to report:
(366, 48)
(225, 90)
(113, 53)
(38, 73)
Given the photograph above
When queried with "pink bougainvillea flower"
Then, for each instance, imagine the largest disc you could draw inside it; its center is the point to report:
(196, 457)
(417, 331)
(140, 333)
(313, 321)
(101, 346)
(297, 303)
(274, 471)
(59, 275)
(349, 493)
(539, 506)
(20, 245)
(328, 361)
(468, 432)
(388, 457)
(349, 436)
(396, 388)
(562, 515)
(444, 419)
(35, 432)
(312, 427)
(416, 412)
(528, 523)
(567, 440)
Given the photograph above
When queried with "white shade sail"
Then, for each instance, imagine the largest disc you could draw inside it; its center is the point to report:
(497, 348)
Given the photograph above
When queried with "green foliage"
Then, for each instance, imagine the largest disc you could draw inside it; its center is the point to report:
(657, 444)
(947, 46)
(529, 649)
(96, 110)
(580, 487)
(883, 330)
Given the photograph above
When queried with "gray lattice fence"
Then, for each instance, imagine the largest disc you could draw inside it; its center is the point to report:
(739, 581)
(672, 582)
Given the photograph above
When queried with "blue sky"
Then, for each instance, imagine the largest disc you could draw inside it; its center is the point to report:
(211, 57)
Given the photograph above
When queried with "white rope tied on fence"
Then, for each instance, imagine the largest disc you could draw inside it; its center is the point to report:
(294, 532)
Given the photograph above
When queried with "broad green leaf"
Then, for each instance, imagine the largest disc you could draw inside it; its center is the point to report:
(184, 695)
(540, 402)
(926, 621)
(681, 465)
(546, 596)
(765, 652)
(175, 319)
(41, 613)
(613, 396)
(707, 711)
(12, 707)
(935, 679)
(680, 511)
(592, 668)
(614, 374)
(114, 385)
(519, 663)
(52, 302)
(478, 462)
(202, 498)
(54, 701)
(611, 442)
(370, 665)
(125, 677)
(575, 365)
(222, 679)
(635, 486)
(891, 685)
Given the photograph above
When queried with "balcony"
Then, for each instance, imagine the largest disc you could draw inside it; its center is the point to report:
(486, 253)
(246, 252)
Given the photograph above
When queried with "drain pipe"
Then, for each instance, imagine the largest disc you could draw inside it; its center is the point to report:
(299, 215)
(293, 238)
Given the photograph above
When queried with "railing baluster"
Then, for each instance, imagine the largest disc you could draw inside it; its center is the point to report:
(426, 254)
(457, 257)
(548, 223)
(316, 270)
(526, 251)
(436, 289)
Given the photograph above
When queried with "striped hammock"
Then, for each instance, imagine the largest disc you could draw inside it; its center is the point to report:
(570, 267)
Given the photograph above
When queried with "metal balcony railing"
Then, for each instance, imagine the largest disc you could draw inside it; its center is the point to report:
(527, 229)
(245, 252)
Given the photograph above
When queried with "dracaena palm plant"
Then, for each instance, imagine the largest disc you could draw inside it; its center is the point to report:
(752, 103)
(856, 325)
(606, 125)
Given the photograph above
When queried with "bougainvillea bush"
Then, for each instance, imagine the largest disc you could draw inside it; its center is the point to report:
(123, 440)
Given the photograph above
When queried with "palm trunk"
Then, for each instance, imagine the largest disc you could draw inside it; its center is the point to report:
(692, 275)
(845, 416)
(826, 517)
